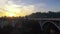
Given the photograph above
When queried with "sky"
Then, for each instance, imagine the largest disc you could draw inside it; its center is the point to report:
(26, 7)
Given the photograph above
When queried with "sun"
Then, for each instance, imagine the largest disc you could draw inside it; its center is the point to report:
(8, 14)
(11, 15)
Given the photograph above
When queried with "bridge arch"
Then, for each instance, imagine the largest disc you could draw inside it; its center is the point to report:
(49, 25)
(50, 22)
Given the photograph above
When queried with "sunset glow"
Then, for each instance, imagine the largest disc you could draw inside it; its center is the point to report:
(15, 11)
(11, 15)
(26, 7)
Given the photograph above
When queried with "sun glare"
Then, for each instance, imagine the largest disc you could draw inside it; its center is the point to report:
(12, 11)
(11, 15)
(16, 11)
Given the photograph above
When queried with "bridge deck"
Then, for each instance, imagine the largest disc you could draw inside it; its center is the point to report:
(43, 19)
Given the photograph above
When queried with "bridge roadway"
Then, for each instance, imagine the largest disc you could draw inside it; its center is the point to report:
(58, 19)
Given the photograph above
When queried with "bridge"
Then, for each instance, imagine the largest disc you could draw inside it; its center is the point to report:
(45, 22)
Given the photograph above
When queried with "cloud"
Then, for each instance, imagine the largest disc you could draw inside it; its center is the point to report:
(26, 2)
(2, 2)
(20, 2)
(40, 7)
(19, 7)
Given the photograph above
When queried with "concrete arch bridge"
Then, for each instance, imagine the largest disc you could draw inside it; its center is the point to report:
(46, 23)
